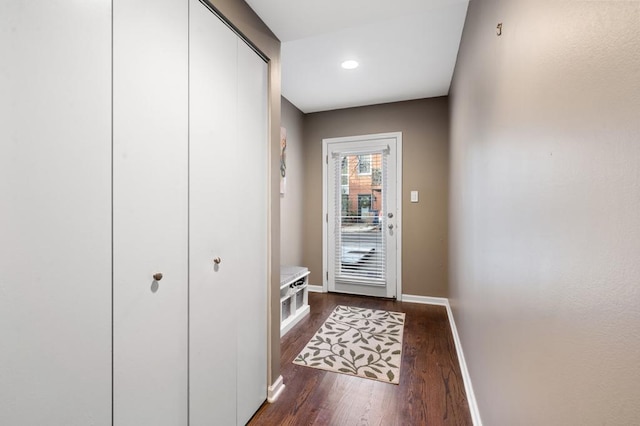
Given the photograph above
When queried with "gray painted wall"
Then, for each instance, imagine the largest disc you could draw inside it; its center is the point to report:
(292, 202)
(545, 210)
(424, 125)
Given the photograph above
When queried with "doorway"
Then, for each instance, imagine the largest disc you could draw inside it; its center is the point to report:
(361, 203)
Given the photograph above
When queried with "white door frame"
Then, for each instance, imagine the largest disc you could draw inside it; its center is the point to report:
(325, 211)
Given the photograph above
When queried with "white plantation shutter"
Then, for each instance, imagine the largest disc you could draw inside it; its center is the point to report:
(359, 228)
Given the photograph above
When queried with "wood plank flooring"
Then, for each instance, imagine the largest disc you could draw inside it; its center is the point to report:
(431, 391)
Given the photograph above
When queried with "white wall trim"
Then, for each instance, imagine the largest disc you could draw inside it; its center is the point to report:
(315, 289)
(466, 378)
(440, 301)
(325, 225)
(274, 391)
(400, 229)
(471, 396)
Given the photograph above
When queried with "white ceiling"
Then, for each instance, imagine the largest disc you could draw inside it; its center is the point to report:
(406, 49)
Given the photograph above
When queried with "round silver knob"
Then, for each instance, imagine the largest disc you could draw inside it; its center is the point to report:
(217, 260)
(390, 215)
(391, 226)
(157, 276)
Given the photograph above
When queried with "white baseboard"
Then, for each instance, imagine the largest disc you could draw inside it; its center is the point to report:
(274, 391)
(425, 300)
(315, 288)
(468, 387)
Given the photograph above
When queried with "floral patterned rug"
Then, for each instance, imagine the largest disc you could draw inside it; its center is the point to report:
(357, 341)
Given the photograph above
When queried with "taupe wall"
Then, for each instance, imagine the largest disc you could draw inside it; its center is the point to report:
(292, 202)
(424, 125)
(545, 210)
(249, 24)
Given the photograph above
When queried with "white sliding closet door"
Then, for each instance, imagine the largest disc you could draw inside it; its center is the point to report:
(55, 214)
(252, 181)
(150, 175)
(213, 219)
(228, 221)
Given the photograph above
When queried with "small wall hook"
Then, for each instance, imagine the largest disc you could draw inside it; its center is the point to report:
(499, 29)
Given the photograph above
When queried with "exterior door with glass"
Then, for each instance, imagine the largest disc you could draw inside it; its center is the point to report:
(362, 214)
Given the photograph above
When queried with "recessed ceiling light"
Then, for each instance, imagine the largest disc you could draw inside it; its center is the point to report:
(350, 64)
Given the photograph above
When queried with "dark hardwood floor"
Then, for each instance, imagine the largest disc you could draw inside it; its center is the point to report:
(431, 391)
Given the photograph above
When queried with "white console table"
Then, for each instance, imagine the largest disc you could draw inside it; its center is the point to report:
(294, 293)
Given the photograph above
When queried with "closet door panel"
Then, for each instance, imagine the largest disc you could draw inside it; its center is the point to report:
(214, 169)
(150, 194)
(55, 214)
(252, 281)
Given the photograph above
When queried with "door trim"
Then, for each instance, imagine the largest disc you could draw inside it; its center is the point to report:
(325, 211)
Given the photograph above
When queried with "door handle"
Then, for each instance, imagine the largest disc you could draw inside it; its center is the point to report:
(391, 226)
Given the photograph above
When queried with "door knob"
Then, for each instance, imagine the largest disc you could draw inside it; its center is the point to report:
(217, 260)
(157, 276)
(390, 215)
(391, 226)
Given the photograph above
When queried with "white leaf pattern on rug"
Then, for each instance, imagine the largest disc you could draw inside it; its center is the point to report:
(358, 341)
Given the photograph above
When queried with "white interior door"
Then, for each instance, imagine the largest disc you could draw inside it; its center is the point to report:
(150, 146)
(362, 214)
(55, 214)
(213, 222)
(228, 224)
(251, 170)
